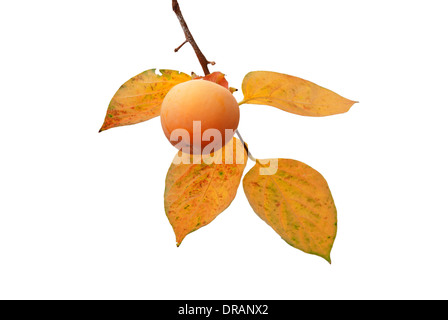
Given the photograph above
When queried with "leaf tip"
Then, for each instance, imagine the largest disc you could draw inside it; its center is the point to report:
(179, 240)
(325, 256)
(104, 127)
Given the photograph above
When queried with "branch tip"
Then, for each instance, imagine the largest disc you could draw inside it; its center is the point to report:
(189, 38)
(178, 48)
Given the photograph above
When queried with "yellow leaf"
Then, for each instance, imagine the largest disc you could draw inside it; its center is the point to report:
(292, 94)
(294, 199)
(196, 192)
(139, 99)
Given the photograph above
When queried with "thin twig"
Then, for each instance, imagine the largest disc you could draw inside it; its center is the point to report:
(189, 38)
(178, 48)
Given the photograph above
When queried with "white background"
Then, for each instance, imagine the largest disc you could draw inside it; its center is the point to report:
(81, 213)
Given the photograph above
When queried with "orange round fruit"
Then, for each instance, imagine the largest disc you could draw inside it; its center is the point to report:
(199, 115)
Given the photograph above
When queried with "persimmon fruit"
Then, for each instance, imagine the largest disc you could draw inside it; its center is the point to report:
(199, 116)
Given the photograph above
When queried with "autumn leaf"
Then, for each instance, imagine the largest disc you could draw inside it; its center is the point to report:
(197, 191)
(139, 99)
(292, 94)
(295, 200)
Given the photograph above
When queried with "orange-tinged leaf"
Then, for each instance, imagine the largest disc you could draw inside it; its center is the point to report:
(140, 98)
(216, 77)
(292, 94)
(295, 200)
(198, 191)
